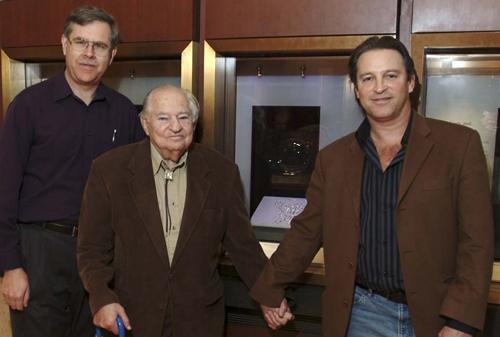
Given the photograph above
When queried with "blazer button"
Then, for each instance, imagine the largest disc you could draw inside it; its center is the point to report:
(351, 265)
(346, 303)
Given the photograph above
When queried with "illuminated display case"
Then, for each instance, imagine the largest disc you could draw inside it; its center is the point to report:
(131, 78)
(286, 110)
(463, 87)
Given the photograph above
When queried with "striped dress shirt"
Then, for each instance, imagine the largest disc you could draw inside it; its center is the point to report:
(379, 264)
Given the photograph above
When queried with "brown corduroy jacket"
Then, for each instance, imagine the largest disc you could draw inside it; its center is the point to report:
(121, 249)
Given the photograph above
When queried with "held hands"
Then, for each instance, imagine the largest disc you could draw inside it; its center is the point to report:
(16, 289)
(106, 317)
(277, 317)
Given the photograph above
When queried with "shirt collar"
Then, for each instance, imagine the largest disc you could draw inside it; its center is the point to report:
(61, 89)
(156, 159)
(363, 132)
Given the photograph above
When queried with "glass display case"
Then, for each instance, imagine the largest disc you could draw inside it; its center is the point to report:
(287, 108)
(131, 78)
(463, 86)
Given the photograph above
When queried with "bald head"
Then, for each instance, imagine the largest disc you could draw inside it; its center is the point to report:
(167, 90)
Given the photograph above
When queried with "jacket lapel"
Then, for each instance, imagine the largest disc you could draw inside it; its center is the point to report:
(197, 190)
(143, 191)
(419, 147)
(355, 175)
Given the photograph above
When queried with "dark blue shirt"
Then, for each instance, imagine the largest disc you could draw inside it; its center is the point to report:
(379, 265)
(47, 144)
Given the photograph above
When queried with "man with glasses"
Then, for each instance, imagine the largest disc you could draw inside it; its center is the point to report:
(52, 132)
(155, 215)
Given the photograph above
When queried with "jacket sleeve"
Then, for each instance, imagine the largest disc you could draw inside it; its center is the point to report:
(467, 294)
(298, 248)
(239, 241)
(96, 242)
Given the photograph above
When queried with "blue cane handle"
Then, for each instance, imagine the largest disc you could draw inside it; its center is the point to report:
(121, 328)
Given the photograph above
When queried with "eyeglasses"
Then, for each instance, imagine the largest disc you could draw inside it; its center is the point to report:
(80, 45)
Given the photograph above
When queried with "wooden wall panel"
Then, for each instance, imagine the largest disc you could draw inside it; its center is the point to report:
(39, 23)
(280, 18)
(456, 15)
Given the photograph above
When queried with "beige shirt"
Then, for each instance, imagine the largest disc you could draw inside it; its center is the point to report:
(176, 197)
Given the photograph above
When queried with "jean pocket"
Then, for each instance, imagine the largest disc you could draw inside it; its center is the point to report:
(359, 296)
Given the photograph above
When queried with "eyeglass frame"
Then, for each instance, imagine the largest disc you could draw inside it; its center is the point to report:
(80, 45)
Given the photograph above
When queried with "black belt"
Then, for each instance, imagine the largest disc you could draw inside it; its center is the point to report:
(394, 296)
(55, 227)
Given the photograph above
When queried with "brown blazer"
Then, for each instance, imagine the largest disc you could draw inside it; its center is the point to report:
(122, 256)
(444, 228)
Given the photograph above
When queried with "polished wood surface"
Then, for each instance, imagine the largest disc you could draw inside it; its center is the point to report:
(494, 296)
(455, 15)
(40, 23)
(4, 84)
(137, 50)
(263, 18)
(288, 45)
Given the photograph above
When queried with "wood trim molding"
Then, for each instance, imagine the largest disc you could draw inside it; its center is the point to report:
(208, 117)
(421, 42)
(189, 67)
(288, 45)
(142, 50)
(5, 78)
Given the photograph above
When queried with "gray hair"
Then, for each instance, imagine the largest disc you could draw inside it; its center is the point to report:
(193, 104)
(87, 14)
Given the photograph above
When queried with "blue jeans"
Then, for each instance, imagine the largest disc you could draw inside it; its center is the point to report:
(375, 316)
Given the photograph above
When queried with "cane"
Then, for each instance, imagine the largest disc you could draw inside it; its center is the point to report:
(121, 328)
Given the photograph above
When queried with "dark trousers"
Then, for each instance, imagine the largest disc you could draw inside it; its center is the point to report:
(58, 305)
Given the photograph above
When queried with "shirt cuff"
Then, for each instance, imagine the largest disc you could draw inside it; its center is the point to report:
(457, 325)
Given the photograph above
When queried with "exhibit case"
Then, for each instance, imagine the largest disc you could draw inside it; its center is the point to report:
(133, 79)
(460, 74)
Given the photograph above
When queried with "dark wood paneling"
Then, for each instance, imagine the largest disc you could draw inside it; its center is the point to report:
(152, 20)
(264, 18)
(456, 15)
(39, 23)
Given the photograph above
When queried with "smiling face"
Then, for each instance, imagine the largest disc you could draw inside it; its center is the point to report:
(84, 69)
(383, 87)
(168, 121)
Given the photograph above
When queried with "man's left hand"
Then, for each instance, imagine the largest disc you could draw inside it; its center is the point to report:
(450, 332)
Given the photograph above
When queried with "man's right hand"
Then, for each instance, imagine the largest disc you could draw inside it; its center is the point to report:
(16, 288)
(106, 317)
(277, 317)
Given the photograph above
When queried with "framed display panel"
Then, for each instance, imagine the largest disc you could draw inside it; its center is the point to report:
(243, 77)
(461, 83)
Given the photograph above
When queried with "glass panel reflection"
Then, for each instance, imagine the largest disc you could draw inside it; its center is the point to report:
(465, 89)
(286, 110)
(131, 78)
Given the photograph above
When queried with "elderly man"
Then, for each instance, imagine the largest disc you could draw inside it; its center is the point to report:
(52, 132)
(402, 208)
(155, 216)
